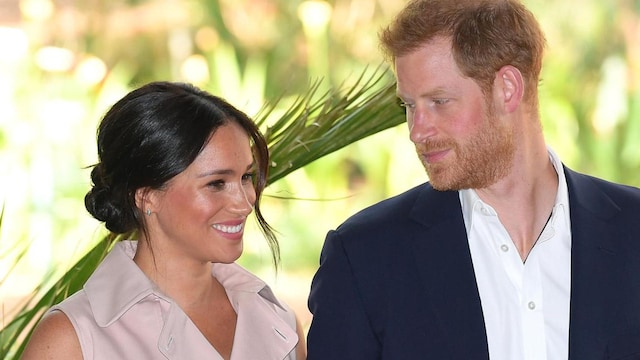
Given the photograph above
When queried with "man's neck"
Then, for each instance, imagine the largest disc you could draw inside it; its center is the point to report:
(524, 199)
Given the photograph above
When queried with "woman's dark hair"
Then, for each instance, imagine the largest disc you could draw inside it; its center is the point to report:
(151, 135)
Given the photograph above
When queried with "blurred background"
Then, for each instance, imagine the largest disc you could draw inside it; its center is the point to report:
(64, 62)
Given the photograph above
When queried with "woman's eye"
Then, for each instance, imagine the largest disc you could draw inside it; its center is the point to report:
(217, 184)
(248, 177)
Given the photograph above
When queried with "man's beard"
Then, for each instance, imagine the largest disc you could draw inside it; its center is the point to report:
(478, 163)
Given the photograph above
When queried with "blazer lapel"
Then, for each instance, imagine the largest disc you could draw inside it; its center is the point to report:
(443, 260)
(595, 266)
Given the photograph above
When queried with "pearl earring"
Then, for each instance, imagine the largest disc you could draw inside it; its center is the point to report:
(148, 212)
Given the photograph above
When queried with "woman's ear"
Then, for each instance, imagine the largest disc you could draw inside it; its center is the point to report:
(144, 200)
(510, 86)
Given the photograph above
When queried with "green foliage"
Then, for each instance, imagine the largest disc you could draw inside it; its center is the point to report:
(313, 126)
(589, 93)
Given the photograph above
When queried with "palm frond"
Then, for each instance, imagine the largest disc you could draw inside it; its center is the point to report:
(310, 128)
(315, 126)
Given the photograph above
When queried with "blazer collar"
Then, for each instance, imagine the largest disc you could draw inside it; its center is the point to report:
(597, 265)
(590, 209)
(585, 194)
(443, 261)
(433, 207)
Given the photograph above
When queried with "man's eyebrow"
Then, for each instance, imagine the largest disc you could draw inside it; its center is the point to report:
(439, 91)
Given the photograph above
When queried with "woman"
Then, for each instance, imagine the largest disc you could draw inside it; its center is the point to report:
(184, 169)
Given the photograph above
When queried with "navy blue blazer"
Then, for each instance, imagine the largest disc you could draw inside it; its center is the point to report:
(396, 280)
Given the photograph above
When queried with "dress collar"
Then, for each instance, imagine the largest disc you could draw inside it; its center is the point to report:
(118, 284)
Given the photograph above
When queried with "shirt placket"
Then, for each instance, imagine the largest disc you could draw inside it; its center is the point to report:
(532, 311)
(526, 280)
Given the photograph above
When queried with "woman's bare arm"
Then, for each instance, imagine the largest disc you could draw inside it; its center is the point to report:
(53, 338)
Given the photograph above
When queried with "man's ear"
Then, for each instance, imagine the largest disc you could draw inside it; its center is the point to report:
(510, 87)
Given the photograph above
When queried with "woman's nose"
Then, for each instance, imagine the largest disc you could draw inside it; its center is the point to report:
(243, 199)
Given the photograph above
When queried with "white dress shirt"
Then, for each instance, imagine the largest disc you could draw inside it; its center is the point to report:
(525, 305)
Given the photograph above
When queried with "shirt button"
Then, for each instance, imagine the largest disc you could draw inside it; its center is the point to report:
(504, 247)
(531, 305)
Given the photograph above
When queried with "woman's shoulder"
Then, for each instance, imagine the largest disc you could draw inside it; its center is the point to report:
(53, 338)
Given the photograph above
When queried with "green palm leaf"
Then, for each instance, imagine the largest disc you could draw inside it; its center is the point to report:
(313, 127)
(310, 128)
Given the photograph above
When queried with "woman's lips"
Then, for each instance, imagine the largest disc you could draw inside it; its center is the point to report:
(231, 231)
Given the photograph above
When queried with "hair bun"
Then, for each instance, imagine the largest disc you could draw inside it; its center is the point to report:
(101, 203)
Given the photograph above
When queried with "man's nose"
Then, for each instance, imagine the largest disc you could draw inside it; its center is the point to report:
(421, 125)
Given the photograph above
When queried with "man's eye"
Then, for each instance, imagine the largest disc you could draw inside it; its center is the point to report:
(405, 105)
(440, 101)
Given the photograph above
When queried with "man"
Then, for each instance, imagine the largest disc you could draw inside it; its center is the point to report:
(505, 253)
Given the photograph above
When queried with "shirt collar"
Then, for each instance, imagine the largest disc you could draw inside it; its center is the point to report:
(471, 202)
(118, 284)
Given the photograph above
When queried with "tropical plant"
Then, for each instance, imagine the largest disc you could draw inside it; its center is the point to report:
(310, 127)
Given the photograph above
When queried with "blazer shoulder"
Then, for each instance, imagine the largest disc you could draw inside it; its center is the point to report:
(394, 207)
(414, 205)
(597, 193)
(580, 179)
